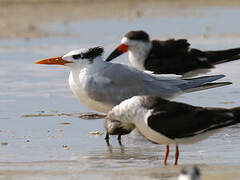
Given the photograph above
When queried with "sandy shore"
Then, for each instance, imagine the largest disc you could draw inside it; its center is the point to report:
(59, 146)
(25, 18)
(72, 170)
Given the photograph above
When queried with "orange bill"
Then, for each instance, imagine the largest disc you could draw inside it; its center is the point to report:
(53, 61)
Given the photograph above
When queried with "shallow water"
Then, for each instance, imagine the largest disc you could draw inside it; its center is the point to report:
(60, 147)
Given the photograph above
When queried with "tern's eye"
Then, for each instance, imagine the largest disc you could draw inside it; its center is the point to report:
(77, 56)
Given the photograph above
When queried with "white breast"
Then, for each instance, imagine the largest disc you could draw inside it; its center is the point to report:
(138, 53)
(149, 133)
(137, 60)
(77, 84)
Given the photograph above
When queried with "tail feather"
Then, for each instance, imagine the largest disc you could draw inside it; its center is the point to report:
(206, 78)
(236, 112)
(224, 117)
(237, 57)
(217, 57)
(201, 83)
(208, 86)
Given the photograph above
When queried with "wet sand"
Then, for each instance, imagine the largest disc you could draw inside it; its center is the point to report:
(42, 136)
(71, 170)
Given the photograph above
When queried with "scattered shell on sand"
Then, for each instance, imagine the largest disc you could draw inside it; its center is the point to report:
(227, 102)
(4, 143)
(92, 116)
(88, 115)
(96, 133)
(64, 123)
(66, 147)
(202, 152)
(37, 115)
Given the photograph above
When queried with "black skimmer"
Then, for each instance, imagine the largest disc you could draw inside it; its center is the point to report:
(190, 173)
(168, 122)
(170, 56)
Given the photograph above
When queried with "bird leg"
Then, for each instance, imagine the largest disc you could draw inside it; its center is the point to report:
(119, 140)
(166, 155)
(107, 136)
(176, 155)
(120, 144)
(108, 144)
(107, 140)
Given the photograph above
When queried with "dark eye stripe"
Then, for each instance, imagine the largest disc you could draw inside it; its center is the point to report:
(77, 56)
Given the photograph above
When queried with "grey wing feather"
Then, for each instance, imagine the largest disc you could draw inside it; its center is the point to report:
(193, 84)
(198, 82)
(123, 82)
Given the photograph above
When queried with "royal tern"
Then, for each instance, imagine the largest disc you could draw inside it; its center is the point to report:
(101, 85)
(167, 122)
(189, 173)
(171, 56)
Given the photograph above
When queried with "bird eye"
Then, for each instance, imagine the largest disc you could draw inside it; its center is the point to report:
(77, 56)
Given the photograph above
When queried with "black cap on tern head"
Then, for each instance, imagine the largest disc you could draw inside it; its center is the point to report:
(91, 53)
(137, 35)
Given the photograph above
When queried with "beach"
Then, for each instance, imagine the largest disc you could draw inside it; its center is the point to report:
(42, 136)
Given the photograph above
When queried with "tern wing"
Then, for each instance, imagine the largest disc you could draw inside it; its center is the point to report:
(118, 82)
(134, 76)
(179, 120)
(192, 84)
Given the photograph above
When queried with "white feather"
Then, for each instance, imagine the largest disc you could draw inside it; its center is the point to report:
(138, 52)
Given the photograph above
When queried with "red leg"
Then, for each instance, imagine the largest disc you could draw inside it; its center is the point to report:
(176, 155)
(166, 155)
